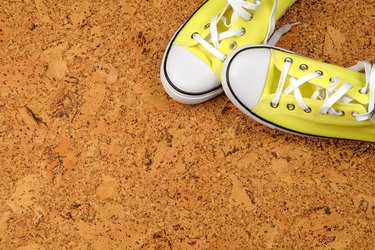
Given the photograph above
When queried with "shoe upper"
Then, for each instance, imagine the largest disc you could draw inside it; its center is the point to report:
(186, 51)
(315, 98)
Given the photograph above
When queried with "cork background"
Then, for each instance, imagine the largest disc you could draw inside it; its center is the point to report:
(94, 155)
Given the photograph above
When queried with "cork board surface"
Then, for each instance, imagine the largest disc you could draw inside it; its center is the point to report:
(94, 155)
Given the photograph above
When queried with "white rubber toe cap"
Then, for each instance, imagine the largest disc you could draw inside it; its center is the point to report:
(246, 74)
(188, 73)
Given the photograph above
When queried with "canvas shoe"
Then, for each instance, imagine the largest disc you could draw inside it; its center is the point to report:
(192, 64)
(302, 96)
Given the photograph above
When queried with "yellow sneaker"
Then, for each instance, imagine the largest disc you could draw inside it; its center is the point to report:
(193, 60)
(299, 95)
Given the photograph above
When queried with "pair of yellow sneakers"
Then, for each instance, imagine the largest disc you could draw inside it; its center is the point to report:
(227, 45)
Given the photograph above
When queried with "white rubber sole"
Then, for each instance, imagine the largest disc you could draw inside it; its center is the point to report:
(233, 99)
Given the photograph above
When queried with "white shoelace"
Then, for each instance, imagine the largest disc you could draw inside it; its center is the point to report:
(240, 9)
(332, 94)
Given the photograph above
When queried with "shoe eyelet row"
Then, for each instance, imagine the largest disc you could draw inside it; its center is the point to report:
(290, 106)
(304, 67)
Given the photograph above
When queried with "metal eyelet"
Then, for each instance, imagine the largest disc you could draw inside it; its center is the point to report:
(288, 59)
(233, 45)
(354, 114)
(192, 35)
(341, 112)
(251, 17)
(365, 93)
(274, 105)
(208, 25)
(303, 67)
(320, 72)
(290, 106)
(243, 31)
(308, 110)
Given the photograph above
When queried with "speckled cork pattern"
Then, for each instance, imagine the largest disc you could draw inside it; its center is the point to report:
(94, 155)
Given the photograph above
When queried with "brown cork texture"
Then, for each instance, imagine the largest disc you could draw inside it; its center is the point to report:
(94, 155)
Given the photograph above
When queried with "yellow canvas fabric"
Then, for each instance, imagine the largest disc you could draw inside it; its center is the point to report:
(314, 123)
(256, 29)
